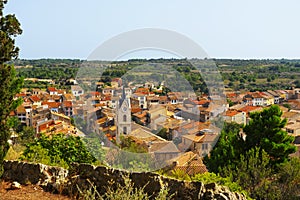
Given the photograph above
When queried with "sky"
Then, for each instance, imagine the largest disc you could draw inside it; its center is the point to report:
(223, 28)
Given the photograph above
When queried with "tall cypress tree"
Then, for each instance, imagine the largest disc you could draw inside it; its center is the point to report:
(9, 83)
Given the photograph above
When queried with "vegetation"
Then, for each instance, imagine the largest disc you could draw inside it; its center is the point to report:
(207, 178)
(59, 150)
(228, 149)
(93, 144)
(10, 85)
(250, 75)
(264, 131)
(260, 163)
(125, 191)
(129, 155)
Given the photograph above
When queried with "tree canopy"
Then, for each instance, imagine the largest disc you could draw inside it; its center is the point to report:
(265, 131)
(58, 150)
(10, 85)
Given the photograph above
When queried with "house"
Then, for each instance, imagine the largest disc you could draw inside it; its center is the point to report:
(173, 99)
(39, 115)
(189, 162)
(254, 99)
(163, 100)
(152, 100)
(277, 98)
(268, 99)
(297, 144)
(21, 114)
(293, 129)
(35, 100)
(77, 90)
(141, 97)
(36, 91)
(248, 110)
(52, 91)
(163, 151)
(67, 97)
(201, 142)
(157, 114)
(67, 108)
(235, 116)
(53, 106)
(60, 117)
(116, 82)
(108, 91)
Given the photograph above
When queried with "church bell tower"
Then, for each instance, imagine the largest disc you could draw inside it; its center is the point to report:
(123, 115)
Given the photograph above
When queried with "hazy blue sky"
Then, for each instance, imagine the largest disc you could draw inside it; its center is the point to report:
(223, 28)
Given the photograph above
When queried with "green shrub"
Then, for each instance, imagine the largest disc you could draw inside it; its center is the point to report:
(207, 178)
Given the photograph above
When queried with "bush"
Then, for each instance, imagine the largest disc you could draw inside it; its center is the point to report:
(59, 150)
(207, 178)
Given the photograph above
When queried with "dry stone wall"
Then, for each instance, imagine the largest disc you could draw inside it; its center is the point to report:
(83, 175)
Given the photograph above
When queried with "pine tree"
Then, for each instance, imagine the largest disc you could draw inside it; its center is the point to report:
(10, 85)
(227, 151)
(265, 131)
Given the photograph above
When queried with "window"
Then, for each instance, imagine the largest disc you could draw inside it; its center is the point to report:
(204, 146)
(124, 118)
(125, 130)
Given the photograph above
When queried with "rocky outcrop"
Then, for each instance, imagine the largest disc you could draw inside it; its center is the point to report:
(83, 175)
(32, 173)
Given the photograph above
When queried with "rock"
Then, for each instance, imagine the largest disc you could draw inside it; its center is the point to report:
(221, 197)
(15, 185)
(83, 175)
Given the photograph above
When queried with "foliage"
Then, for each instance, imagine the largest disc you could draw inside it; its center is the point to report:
(130, 156)
(27, 135)
(93, 144)
(164, 133)
(288, 106)
(10, 85)
(14, 123)
(180, 174)
(252, 172)
(265, 132)
(228, 149)
(58, 150)
(207, 178)
(289, 179)
(128, 144)
(14, 152)
(256, 164)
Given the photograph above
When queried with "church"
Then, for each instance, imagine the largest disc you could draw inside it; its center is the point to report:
(123, 115)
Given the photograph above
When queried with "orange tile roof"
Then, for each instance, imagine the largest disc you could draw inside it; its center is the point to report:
(136, 110)
(231, 113)
(35, 98)
(248, 109)
(21, 109)
(67, 103)
(201, 102)
(51, 104)
(142, 90)
(52, 89)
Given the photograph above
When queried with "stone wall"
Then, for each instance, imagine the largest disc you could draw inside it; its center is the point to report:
(83, 175)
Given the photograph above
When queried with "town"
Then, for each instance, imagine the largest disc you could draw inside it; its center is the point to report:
(177, 129)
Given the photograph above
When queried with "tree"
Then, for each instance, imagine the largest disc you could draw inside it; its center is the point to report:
(27, 135)
(93, 144)
(10, 85)
(253, 174)
(289, 179)
(227, 151)
(265, 131)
